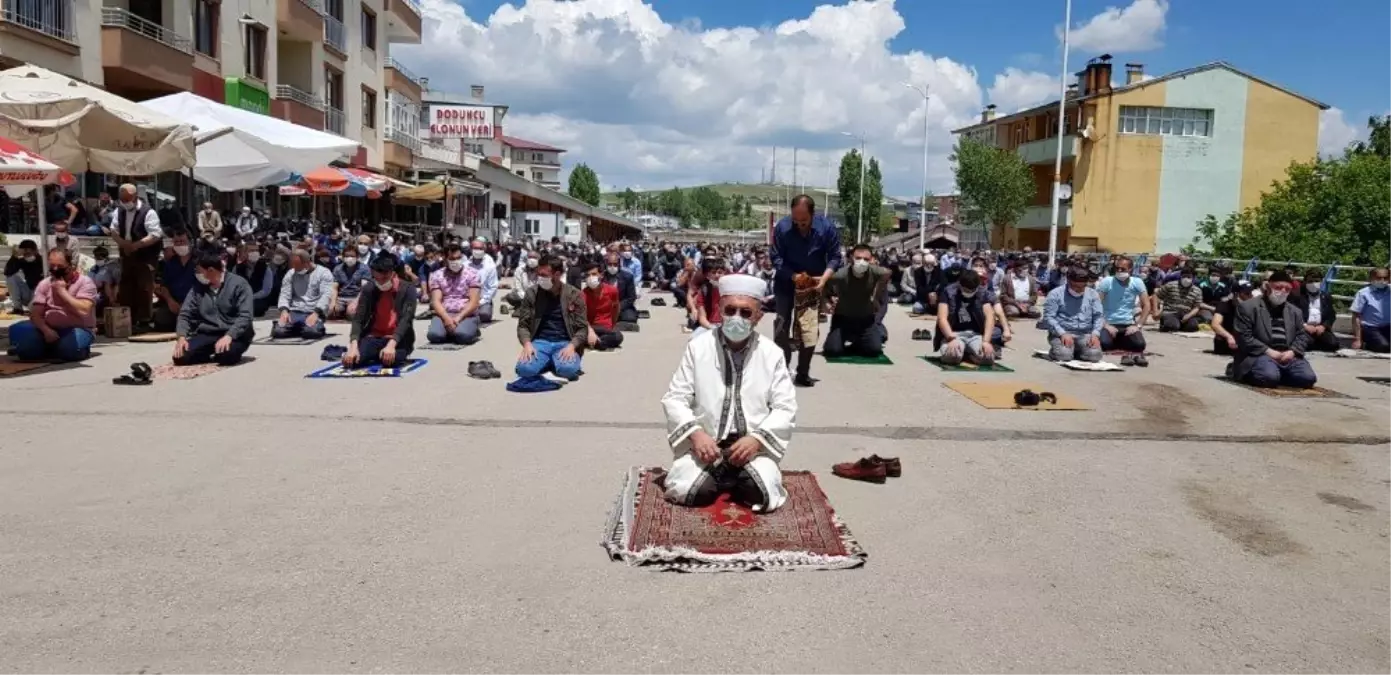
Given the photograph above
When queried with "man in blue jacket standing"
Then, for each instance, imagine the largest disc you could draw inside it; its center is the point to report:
(805, 246)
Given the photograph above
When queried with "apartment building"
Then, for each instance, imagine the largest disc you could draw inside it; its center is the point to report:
(536, 162)
(1144, 161)
(323, 64)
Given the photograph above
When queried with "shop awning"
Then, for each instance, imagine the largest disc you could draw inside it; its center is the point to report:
(434, 191)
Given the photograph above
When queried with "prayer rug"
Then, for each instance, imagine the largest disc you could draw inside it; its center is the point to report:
(968, 367)
(1000, 395)
(1122, 352)
(1098, 367)
(170, 371)
(154, 337)
(1359, 354)
(645, 530)
(1285, 392)
(337, 370)
(1199, 335)
(881, 360)
(922, 317)
(534, 385)
(1383, 381)
(290, 341)
(9, 366)
(441, 347)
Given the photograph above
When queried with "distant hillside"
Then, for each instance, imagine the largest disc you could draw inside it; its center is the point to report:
(755, 193)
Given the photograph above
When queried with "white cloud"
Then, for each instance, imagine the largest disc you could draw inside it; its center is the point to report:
(1335, 133)
(1016, 90)
(649, 102)
(1137, 28)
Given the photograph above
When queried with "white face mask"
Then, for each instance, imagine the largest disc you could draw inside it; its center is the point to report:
(1185, 282)
(253, 257)
(279, 260)
(350, 261)
(362, 249)
(1278, 298)
(477, 254)
(201, 278)
(531, 263)
(592, 282)
(129, 206)
(1122, 276)
(545, 283)
(1313, 288)
(419, 251)
(382, 285)
(1075, 294)
(181, 250)
(859, 267)
(1378, 285)
(456, 265)
(627, 255)
(968, 294)
(231, 250)
(612, 269)
(736, 328)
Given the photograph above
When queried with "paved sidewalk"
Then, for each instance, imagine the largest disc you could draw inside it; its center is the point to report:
(253, 520)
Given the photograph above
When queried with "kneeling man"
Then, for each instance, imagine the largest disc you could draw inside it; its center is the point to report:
(730, 408)
(214, 322)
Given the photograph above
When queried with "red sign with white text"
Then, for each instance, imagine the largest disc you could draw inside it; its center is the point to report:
(461, 121)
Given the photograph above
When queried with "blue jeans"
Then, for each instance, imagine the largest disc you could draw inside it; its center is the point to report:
(74, 344)
(1265, 372)
(548, 356)
(466, 333)
(297, 327)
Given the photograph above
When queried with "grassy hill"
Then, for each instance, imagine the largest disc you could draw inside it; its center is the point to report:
(755, 193)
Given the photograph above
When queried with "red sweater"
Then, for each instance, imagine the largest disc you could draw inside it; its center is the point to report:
(601, 305)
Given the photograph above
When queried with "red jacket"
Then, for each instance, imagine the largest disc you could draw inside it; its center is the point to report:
(601, 306)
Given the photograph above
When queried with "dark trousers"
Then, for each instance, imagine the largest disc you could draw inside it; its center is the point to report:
(1376, 339)
(723, 478)
(1122, 342)
(784, 305)
(853, 337)
(202, 348)
(680, 295)
(1326, 341)
(608, 338)
(1170, 322)
(369, 352)
(628, 314)
(298, 328)
(1265, 372)
(137, 289)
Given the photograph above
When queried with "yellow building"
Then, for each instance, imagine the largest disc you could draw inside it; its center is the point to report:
(1146, 161)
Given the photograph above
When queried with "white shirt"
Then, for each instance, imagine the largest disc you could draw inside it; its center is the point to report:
(121, 221)
(1021, 288)
(1315, 310)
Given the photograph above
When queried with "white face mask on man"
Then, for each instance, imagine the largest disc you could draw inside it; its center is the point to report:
(456, 264)
(860, 266)
(736, 328)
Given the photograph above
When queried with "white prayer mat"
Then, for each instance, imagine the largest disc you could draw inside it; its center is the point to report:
(1359, 354)
(1200, 335)
(1099, 366)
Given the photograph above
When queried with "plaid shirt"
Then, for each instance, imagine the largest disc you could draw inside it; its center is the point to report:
(1179, 300)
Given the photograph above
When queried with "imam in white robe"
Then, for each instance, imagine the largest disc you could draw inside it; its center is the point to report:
(730, 394)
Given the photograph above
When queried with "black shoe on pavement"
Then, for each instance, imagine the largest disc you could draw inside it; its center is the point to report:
(803, 381)
(1141, 361)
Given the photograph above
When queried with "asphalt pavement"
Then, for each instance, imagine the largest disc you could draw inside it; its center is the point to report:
(256, 521)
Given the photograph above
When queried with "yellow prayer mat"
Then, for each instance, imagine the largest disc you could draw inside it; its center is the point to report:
(154, 337)
(1000, 395)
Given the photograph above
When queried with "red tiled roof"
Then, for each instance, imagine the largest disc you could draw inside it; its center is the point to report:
(523, 144)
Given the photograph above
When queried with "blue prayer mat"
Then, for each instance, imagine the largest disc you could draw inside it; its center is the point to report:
(337, 370)
(532, 385)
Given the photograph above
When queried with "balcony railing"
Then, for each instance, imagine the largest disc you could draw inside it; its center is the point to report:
(401, 137)
(316, 5)
(289, 93)
(51, 17)
(121, 18)
(334, 121)
(334, 35)
(413, 4)
(404, 71)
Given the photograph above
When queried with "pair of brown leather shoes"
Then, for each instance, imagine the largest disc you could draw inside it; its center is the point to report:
(872, 469)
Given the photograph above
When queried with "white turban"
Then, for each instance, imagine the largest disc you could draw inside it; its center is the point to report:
(742, 284)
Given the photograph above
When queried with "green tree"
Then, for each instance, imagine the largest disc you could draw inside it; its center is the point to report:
(848, 184)
(995, 184)
(584, 184)
(874, 198)
(672, 203)
(1324, 211)
(706, 205)
(629, 199)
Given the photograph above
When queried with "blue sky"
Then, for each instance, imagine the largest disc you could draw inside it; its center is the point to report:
(681, 91)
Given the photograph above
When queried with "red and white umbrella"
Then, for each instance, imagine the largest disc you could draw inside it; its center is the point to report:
(22, 170)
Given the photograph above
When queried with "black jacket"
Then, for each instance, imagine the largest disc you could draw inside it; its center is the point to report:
(627, 289)
(1252, 330)
(1326, 311)
(925, 281)
(406, 300)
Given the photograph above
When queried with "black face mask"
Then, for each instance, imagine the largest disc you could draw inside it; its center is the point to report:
(58, 272)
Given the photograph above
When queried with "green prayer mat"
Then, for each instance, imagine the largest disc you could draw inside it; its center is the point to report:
(881, 360)
(968, 367)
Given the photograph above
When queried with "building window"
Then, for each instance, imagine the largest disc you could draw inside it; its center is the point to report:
(532, 226)
(537, 157)
(536, 176)
(369, 108)
(256, 52)
(205, 13)
(1154, 121)
(369, 29)
(522, 174)
(473, 148)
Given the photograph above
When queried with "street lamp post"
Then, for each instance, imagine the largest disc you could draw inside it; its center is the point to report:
(1062, 117)
(922, 209)
(860, 219)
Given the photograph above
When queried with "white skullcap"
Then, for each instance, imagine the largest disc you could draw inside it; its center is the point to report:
(742, 284)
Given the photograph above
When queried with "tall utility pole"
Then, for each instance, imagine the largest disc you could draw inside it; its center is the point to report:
(922, 210)
(860, 219)
(794, 168)
(1062, 117)
(773, 179)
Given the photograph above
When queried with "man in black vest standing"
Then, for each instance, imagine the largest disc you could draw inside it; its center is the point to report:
(135, 228)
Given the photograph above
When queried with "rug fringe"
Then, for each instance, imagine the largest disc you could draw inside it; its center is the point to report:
(615, 539)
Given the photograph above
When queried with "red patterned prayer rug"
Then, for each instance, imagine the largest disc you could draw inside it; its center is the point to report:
(804, 534)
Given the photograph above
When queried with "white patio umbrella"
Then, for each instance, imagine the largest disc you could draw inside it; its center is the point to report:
(82, 128)
(241, 150)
